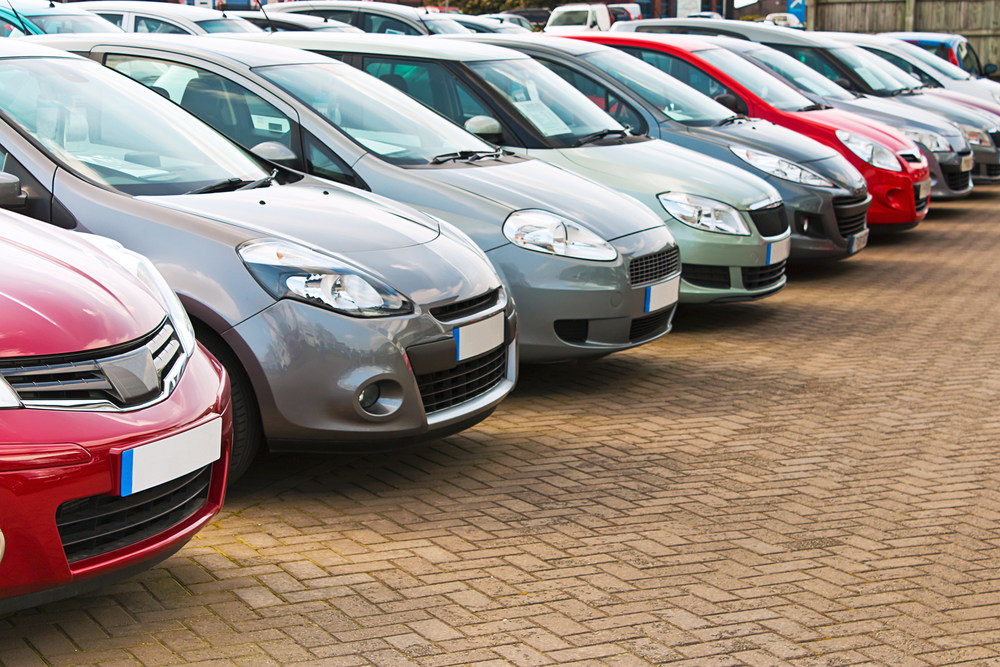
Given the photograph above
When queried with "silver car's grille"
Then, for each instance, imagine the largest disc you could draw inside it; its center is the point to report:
(650, 268)
(460, 309)
(116, 378)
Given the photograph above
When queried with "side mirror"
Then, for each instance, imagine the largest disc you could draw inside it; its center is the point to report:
(11, 195)
(276, 152)
(486, 128)
(989, 69)
(729, 101)
(844, 83)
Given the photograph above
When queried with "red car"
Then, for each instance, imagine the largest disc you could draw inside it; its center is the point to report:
(896, 172)
(115, 425)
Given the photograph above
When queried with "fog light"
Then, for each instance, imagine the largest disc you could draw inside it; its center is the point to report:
(369, 396)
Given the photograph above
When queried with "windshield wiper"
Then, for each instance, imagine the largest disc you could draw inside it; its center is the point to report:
(814, 107)
(221, 186)
(596, 136)
(263, 182)
(469, 156)
(732, 119)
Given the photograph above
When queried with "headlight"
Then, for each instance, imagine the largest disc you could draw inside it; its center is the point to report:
(976, 137)
(704, 214)
(8, 398)
(932, 140)
(870, 151)
(780, 167)
(143, 269)
(542, 231)
(289, 270)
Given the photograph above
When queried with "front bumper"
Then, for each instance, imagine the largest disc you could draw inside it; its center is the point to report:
(309, 365)
(36, 568)
(950, 178)
(575, 309)
(895, 196)
(987, 169)
(826, 223)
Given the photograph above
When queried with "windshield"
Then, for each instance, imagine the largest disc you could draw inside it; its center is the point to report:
(572, 17)
(555, 108)
(114, 131)
(446, 27)
(228, 25)
(54, 24)
(874, 70)
(938, 64)
(803, 76)
(373, 113)
(770, 89)
(680, 102)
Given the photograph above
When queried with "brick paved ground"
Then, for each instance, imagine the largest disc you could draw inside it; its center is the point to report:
(810, 480)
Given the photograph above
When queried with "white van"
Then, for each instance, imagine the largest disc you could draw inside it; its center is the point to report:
(578, 17)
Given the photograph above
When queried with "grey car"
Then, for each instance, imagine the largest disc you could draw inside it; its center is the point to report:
(854, 69)
(949, 157)
(378, 17)
(580, 260)
(826, 196)
(347, 322)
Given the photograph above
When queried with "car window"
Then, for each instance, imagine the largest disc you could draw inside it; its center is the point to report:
(600, 95)
(322, 162)
(429, 83)
(113, 18)
(57, 24)
(970, 63)
(228, 107)
(147, 24)
(682, 70)
(386, 25)
(228, 25)
(811, 58)
(344, 15)
(906, 66)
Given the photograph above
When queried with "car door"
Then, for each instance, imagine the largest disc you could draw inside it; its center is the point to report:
(234, 106)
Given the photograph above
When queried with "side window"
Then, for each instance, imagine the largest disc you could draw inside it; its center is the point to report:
(322, 162)
(600, 95)
(147, 24)
(114, 18)
(811, 58)
(907, 67)
(386, 25)
(429, 83)
(342, 15)
(228, 107)
(682, 70)
(970, 63)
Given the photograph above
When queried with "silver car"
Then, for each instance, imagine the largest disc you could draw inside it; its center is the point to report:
(592, 271)
(378, 17)
(165, 17)
(346, 321)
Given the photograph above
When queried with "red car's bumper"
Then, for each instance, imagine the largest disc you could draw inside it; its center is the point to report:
(895, 200)
(51, 457)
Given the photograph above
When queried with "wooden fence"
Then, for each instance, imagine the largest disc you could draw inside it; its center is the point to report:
(979, 20)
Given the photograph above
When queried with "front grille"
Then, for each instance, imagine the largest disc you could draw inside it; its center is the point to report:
(770, 221)
(82, 378)
(850, 214)
(989, 170)
(572, 331)
(921, 204)
(644, 327)
(650, 268)
(758, 277)
(957, 180)
(460, 309)
(444, 389)
(911, 156)
(706, 275)
(98, 525)
(995, 136)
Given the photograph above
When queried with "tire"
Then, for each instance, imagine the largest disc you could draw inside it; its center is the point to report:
(248, 432)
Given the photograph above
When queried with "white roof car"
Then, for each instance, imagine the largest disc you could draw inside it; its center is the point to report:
(165, 17)
(288, 22)
(377, 17)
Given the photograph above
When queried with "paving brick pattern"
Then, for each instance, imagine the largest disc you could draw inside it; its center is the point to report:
(810, 480)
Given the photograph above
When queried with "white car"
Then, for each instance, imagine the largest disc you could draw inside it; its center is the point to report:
(165, 17)
(578, 17)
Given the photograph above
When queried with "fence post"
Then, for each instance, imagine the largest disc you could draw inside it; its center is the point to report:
(909, 11)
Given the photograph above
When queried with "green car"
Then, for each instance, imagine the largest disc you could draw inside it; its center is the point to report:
(731, 226)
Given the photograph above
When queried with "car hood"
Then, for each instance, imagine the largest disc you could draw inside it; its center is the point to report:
(339, 219)
(655, 167)
(836, 119)
(953, 110)
(767, 137)
(59, 295)
(983, 104)
(536, 184)
(891, 111)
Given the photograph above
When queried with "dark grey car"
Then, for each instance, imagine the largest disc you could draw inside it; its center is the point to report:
(347, 321)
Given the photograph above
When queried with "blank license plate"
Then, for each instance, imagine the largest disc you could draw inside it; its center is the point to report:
(924, 189)
(778, 252)
(475, 339)
(662, 295)
(967, 163)
(165, 460)
(857, 242)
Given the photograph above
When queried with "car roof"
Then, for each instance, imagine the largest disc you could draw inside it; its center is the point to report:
(290, 17)
(349, 4)
(756, 31)
(40, 7)
(926, 36)
(249, 54)
(189, 12)
(31, 47)
(685, 42)
(574, 47)
(411, 46)
(859, 38)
